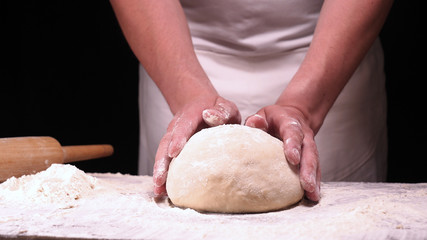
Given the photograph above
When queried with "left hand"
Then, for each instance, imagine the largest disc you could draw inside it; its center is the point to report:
(200, 113)
(290, 125)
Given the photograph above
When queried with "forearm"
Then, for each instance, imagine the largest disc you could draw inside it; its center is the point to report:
(344, 33)
(158, 34)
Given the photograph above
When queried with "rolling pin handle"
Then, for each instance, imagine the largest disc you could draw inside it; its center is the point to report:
(86, 152)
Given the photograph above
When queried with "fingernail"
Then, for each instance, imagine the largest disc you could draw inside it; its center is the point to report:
(293, 154)
(313, 181)
(296, 153)
(295, 158)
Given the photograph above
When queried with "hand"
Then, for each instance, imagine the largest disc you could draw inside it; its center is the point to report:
(198, 114)
(289, 124)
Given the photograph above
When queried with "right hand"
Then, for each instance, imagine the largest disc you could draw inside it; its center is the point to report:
(200, 113)
(289, 124)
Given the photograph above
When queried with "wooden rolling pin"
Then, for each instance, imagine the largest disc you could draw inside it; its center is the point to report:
(28, 155)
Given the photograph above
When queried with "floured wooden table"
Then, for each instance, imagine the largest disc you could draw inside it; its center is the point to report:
(71, 204)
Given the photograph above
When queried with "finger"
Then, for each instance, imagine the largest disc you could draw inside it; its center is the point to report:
(161, 165)
(288, 129)
(309, 169)
(183, 128)
(213, 117)
(292, 135)
(221, 113)
(160, 171)
(257, 121)
(315, 195)
(160, 191)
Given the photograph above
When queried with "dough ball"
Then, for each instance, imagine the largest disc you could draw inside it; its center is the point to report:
(233, 169)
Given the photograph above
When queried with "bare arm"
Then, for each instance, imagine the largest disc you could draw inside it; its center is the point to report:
(344, 33)
(158, 34)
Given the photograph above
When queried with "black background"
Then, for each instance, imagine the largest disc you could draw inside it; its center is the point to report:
(67, 72)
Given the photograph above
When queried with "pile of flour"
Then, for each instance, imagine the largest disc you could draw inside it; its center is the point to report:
(61, 185)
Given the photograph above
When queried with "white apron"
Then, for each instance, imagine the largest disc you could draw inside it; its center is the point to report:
(250, 50)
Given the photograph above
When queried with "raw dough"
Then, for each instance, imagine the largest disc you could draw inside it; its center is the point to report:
(233, 169)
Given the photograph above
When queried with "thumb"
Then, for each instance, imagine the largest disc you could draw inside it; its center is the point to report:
(221, 113)
(257, 120)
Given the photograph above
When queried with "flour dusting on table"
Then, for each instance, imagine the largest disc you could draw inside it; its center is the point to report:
(66, 202)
